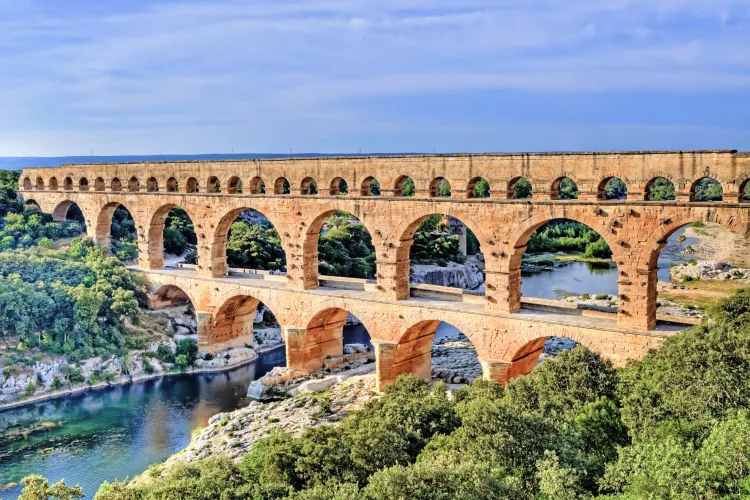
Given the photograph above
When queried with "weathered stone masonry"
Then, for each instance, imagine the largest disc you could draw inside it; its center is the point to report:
(635, 229)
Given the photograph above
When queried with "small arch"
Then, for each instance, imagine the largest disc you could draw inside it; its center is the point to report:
(257, 186)
(659, 189)
(281, 186)
(745, 191)
(68, 184)
(115, 185)
(338, 187)
(32, 201)
(440, 188)
(152, 185)
(404, 186)
(52, 184)
(370, 187)
(612, 188)
(39, 184)
(706, 189)
(27, 184)
(170, 296)
(308, 186)
(234, 185)
(564, 188)
(212, 185)
(519, 188)
(478, 187)
(172, 186)
(133, 184)
(191, 186)
(83, 184)
(99, 184)
(234, 324)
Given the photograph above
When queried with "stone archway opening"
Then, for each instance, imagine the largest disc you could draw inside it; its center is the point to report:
(443, 251)
(245, 321)
(696, 265)
(171, 237)
(660, 189)
(116, 185)
(404, 186)
(53, 184)
(564, 188)
(99, 184)
(213, 185)
(68, 184)
(338, 187)
(115, 230)
(174, 307)
(152, 185)
(478, 187)
(343, 246)
(69, 210)
(332, 339)
(172, 185)
(83, 184)
(745, 191)
(370, 187)
(706, 189)
(257, 186)
(246, 239)
(191, 186)
(431, 350)
(39, 184)
(27, 185)
(308, 186)
(134, 185)
(567, 261)
(440, 188)
(536, 351)
(281, 186)
(612, 188)
(234, 185)
(519, 188)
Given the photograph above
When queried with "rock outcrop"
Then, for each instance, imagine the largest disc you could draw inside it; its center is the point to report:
(466, 276)
(708, 270)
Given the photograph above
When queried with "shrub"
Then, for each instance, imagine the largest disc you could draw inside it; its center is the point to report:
(164, 354)
(181, 362)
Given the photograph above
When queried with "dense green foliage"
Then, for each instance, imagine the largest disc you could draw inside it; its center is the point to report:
(72, 303)
(123, 235)
(433, 245)
(522, 189)
(179, 233)
(567, 189)
(568, 236)
(346, 249)
(615, 189)
(255, 246)
(708, 189)
(660, 189)
(674, 426)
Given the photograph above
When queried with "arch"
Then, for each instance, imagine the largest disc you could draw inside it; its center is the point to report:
(564, 188)
(133, 185)
(524, 353)
(152, 185)
(52, 184)
(218, 255)
(234, 185)
(706, 189)
(338, 187)
(115, 185)
(156, 229)
(370, 187)
(404, 186)
(612, 188)
(322, 338)
(478, 187)
(281, 186)
(519, 188)
(257, 186)
(32, 201)
(745, 191)
(83, 184)
(310, 249)
(191, 186)
(172, 185)
(308, 186)
(68, 184)
(99, 184)
(659, 188)
(27, 184)
(169, 295)
(440, 187)
(234, 322)
(212, 184)
(39, 184)
(103, 229)
(68, 210)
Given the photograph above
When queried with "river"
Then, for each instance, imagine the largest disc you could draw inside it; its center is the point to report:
(118, 432)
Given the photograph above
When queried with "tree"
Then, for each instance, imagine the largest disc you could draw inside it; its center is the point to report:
(37, 488)
(482, 189)
(660, 189)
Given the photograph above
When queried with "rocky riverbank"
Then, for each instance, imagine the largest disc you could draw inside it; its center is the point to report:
(610, 303)
(708, 270)
(466, 276)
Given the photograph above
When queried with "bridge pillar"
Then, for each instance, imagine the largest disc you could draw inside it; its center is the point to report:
(637, 294)
(307, 348)
(393, 279)
(385, 358)
(503, 290)
(205, 329)
(495, 369)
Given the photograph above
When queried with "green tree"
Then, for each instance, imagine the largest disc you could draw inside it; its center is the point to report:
(37, 488)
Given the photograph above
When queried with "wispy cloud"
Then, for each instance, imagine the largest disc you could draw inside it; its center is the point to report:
(192, 72)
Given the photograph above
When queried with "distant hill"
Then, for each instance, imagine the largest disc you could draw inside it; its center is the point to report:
(21, 162)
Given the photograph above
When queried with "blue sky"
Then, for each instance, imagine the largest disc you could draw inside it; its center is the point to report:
(334, 76)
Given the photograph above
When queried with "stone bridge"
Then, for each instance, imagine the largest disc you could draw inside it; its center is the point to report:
(400, 318)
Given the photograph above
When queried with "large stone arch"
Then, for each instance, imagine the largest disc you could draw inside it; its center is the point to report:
(312, 237)
(103, 227)
(508, 279)
(155, 235)
(169, 295)
(214, 257)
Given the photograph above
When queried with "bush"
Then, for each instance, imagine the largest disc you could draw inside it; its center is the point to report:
(181, 362)
(189, 349)
(56, 384)
(148, 367)
(164, 354)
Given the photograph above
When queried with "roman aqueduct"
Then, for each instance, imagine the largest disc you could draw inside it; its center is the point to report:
(401, 319)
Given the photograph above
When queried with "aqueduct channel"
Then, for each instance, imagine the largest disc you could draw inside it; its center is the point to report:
(401, 318)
